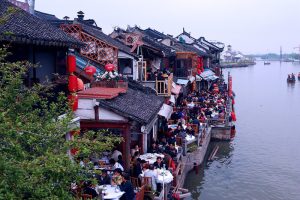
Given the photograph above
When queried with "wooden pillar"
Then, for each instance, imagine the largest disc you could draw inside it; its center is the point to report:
(126, 146)
(142, 143)
(96, 108)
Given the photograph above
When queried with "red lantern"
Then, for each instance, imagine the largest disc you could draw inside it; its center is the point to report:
(71, 61)
(73, 101)
(73, 85)
(90, 70)
(109, 67)
(80, 84)
(74, 151)
(233, 117)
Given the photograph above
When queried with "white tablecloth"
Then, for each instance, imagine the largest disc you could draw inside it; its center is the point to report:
(164, 176)
(110, 192)
(174, 126)
(189, 138)
(151, 157)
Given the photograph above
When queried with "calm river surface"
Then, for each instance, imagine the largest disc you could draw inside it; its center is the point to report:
(263, 161)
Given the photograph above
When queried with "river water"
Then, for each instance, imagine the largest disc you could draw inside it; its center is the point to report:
(263, 161)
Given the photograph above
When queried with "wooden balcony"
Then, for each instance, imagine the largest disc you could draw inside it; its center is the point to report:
(164, 87)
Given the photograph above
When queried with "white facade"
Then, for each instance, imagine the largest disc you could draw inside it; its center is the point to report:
(86, 111)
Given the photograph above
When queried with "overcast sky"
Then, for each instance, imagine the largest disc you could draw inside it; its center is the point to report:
(251, 26)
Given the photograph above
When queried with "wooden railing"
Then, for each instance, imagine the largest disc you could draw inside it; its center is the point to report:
(111, 84)
(164, 87)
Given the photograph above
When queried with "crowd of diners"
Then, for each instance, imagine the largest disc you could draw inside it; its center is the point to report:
(198, 107)
(190, 113)
(109, 169)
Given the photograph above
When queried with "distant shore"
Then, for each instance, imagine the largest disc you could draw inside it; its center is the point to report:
(236, 65)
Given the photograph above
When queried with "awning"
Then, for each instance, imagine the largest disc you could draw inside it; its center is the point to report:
(172, 99)
(176, 88)
(214, 77)
(192, 79)
(208, 75)
(198, 78)
(166, 111)
(182, 82)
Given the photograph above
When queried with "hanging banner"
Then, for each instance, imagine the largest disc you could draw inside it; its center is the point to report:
(230, 86)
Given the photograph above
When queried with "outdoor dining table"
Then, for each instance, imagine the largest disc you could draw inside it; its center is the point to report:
(189, 138)
(151, 157)
(174, 126)
(163, 176)
(111, 192)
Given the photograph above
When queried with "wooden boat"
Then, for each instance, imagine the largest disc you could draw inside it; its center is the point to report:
(291, 79)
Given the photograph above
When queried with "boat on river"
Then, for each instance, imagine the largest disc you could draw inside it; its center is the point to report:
(291, 78)
(267, 63)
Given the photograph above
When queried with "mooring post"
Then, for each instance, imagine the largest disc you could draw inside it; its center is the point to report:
(196, 168)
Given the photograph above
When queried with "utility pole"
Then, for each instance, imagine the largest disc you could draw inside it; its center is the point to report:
(280, 53)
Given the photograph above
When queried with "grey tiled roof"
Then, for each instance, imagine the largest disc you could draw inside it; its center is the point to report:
(20, 26)
(168, 51)
(139, 103)
(45, 16)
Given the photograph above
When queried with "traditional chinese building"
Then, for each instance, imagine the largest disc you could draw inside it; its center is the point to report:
(128, 111)
(33, 39)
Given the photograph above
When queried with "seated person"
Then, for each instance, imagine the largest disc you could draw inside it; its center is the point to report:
(103, 179)
(163, 140)
(172, 151)
(105, 158)
(127, 187)
(115, 165)
(115, 154)
(115, 179)
(159, 164)
(196, 121)
(120, 160)
(117, 172)
(87, 189)
(172, 140)
(136, 148)
(154, 148)
(190, 130)
(137, 168)
(135, 157)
